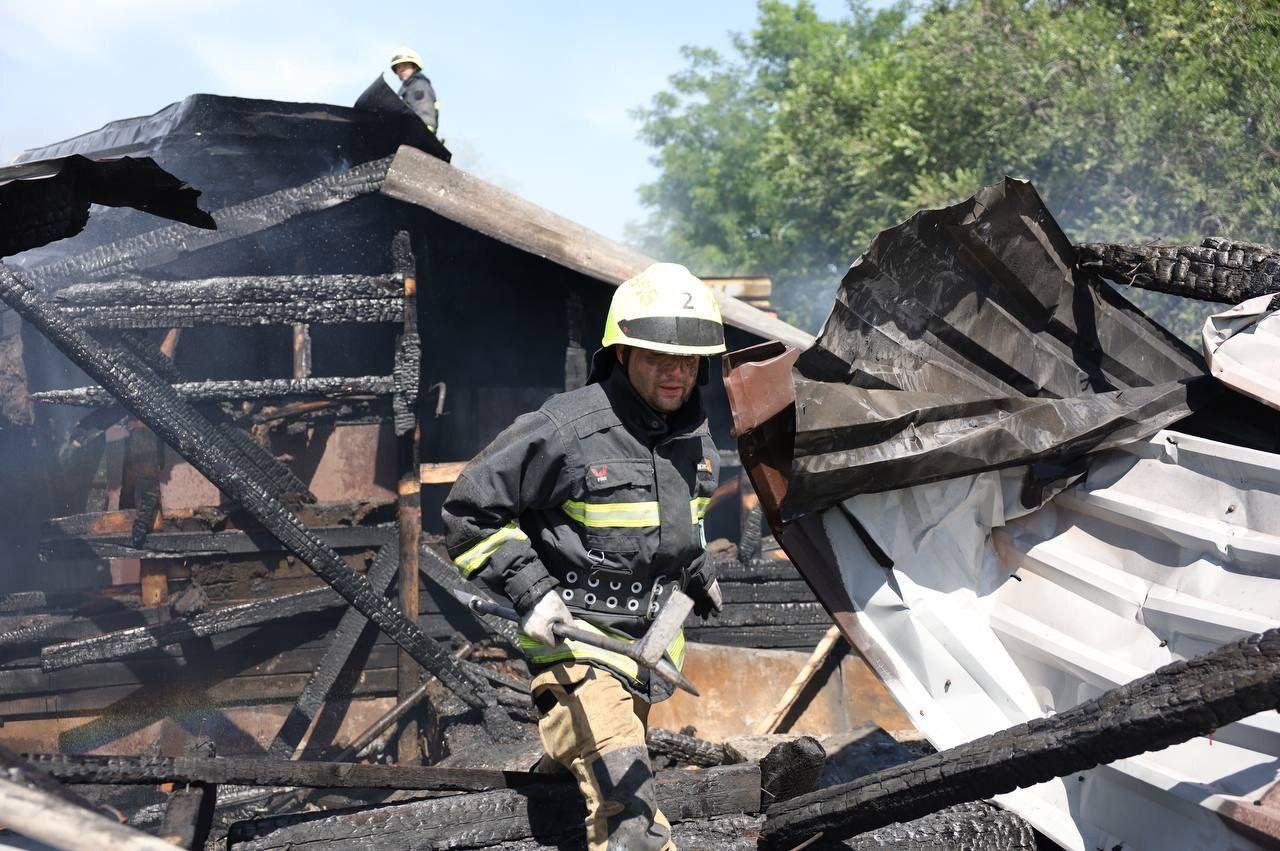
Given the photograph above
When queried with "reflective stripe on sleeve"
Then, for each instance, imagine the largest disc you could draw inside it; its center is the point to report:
(474, 558)
(698, 508)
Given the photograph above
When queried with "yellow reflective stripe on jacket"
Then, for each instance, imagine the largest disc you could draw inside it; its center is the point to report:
(474, 558)
(629, 515)
(698, 507)
(575, 651)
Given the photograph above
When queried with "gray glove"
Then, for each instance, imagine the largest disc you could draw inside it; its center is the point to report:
(700, 584)
(549, 609)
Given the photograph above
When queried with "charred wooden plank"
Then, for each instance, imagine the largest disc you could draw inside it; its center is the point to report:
(775, 591)
(22, 601)
(264, 289)
(1171, 705)
(157, 667)
(165, 244)
(329, 387)
(16, 769)
(759, 570)
(155, 701)
(1217, 269)
(975, 826)
(343, 641)
(126, 642)
(795, 636)
(771, 614)
(552, 812)
(188, 544)
(154, 402)
(34, 633)
(312, 312)
(244, 771)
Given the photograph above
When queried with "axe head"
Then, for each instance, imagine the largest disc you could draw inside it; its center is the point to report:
(665, 627)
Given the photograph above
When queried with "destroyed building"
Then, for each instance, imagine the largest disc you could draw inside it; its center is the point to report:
(362, 320)
(989, 469)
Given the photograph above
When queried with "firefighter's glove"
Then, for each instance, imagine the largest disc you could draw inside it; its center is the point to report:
(537, 622)
(700, 584)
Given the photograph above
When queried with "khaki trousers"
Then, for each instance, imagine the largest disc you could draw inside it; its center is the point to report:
(595, 728)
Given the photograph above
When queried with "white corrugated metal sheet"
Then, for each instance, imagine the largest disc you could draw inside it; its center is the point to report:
(1242, 346)
(993, 614)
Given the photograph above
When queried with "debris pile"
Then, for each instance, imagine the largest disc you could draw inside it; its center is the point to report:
(989, 468)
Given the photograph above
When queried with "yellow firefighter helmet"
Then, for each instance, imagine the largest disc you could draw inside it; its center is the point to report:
(665, 309)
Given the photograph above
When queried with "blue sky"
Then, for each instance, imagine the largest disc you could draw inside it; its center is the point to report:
(535, 96)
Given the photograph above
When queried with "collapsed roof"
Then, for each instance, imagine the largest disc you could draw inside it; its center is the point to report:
(1015, 493)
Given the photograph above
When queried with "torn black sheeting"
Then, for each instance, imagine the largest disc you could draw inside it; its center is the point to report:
(966, 340)
(48, 200)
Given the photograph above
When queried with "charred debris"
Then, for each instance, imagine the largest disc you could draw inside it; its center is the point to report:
(226, 618)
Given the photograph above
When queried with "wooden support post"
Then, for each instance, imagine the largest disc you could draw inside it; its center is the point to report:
(409, 513)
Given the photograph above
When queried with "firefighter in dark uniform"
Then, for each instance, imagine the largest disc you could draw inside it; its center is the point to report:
(415, 89)
(590, 509)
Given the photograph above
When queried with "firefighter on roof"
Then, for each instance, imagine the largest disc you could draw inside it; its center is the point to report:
(591, 509)
(415, 88)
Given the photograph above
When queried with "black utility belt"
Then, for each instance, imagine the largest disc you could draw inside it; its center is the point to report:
(613, 594)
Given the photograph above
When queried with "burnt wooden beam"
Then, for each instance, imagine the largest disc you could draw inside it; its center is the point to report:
(18, 770)
(245, 771)
(553, 812)
(365, 311)
(1218, 269)
(154, 402)
(188, 544)
(165, 244)
(385, 567)
(1173, 704)
(127, 642)
(34, 633)
(237, 290)
(329, 387)
(404, 404)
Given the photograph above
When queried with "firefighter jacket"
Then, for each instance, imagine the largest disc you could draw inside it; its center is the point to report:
(420, 96)
(597, 497)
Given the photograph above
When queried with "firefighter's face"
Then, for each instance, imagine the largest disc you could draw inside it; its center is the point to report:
(404, 70)
(664, 381)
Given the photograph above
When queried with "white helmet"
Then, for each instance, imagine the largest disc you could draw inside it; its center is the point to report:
(405, 54)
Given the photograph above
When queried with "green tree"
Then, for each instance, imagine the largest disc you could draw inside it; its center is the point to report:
(1137, 120)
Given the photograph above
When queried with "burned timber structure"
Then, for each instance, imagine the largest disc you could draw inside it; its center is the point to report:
(227, 622)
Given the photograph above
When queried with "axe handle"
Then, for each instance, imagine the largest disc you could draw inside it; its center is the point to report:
(662, 667)
(576, 633)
